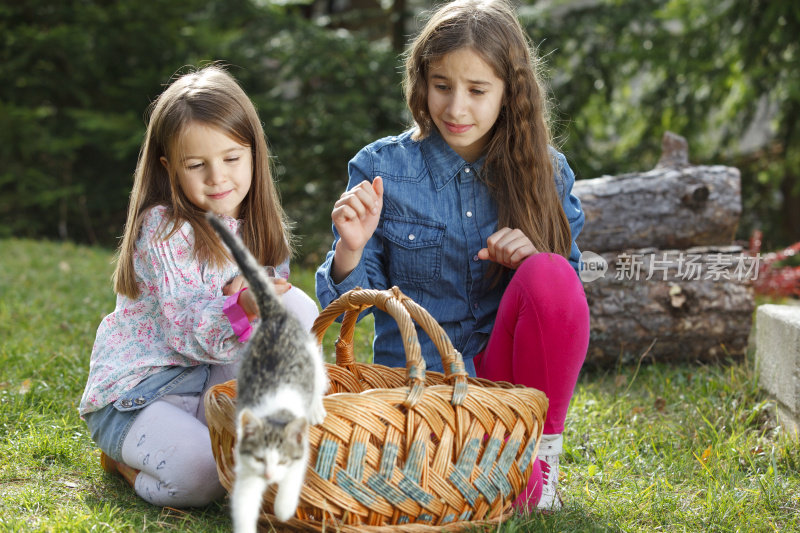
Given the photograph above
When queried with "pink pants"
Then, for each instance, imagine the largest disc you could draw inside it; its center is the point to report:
(540, 338)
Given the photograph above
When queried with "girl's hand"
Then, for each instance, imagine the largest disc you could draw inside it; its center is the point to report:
(509, 247)
(235, 285)
(248, 304)
(281, 285)
(355, 214)
(246, 299)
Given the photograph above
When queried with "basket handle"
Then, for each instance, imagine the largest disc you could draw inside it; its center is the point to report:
(403, 309)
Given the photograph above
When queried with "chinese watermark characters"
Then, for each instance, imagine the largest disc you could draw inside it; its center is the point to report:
(686, 266)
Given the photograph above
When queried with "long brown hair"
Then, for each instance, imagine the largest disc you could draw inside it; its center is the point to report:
(518, 157)
(212, 97)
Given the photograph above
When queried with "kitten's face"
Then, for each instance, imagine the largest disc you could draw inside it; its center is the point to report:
(269, 446)
(267, 463)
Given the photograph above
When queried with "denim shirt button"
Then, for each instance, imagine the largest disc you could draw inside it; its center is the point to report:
(469, 214)
(467, 169)
(126, 403)
(139, 401)
(411, 237)
(475, 257)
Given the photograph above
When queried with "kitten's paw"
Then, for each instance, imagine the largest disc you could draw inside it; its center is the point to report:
(248, 528)
(317, 413)
(285, 508)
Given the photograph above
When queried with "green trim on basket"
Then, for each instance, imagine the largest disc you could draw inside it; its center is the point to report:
(388, 459)
(326, 458)
(382, 487)
(355, 488)
(355, 460)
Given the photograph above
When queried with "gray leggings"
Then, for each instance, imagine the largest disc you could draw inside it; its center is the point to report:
(169, 443)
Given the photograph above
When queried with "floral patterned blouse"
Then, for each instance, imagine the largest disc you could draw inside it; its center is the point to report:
(177, 319)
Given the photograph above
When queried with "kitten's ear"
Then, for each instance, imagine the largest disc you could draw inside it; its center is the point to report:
(249, 423)
(296, 430)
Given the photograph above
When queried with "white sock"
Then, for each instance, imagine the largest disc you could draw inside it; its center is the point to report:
(551, 444)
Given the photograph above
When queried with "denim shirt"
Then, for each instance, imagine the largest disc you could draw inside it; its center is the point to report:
(437, 213)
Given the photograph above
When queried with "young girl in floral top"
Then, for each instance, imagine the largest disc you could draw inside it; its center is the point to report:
(182, 310)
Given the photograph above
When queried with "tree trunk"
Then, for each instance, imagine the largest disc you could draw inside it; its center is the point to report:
(664, 208)
(696, 306)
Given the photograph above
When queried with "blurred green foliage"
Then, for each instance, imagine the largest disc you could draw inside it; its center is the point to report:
(78, 76)
(723, 74)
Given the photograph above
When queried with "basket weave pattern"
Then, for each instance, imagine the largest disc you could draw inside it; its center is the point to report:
(401, 449)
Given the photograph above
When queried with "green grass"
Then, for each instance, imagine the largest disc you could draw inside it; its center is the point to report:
(671, 448)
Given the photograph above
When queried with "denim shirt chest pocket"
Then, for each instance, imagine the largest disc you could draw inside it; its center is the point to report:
(416, 256)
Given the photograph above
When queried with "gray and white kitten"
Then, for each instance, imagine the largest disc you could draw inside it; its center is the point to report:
(281, 383)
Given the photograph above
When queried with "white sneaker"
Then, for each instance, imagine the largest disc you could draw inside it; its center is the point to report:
(549, 450)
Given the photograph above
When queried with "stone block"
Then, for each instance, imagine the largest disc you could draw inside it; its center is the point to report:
(778, 360)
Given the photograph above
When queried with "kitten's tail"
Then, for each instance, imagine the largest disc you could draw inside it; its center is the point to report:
(254, 273)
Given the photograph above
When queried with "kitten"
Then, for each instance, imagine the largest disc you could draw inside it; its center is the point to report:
(281, 383)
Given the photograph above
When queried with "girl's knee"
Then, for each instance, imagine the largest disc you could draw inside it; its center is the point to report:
(542, 264)
(205, 494)
(193, 483)
(548, 274)
(302, 306)
(187, 477)
(206, 486)
(547, 285)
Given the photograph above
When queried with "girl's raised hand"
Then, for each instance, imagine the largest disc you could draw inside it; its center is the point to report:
(355, 214)
(509, 247)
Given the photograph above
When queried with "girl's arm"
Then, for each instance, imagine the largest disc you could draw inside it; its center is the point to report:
(572, 206)
(356, 258)
(188, 302)
(510, 247)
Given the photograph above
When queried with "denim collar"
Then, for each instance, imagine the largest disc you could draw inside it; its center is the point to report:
(443, 163)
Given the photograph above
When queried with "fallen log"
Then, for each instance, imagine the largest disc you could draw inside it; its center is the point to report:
(675, 205)
(690, 305)
(665, 208)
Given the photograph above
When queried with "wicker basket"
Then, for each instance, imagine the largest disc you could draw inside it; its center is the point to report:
(401, 449)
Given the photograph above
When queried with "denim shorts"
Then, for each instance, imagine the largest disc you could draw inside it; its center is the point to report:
(110, 425)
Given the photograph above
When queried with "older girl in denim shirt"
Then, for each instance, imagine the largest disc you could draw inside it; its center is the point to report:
(471, 214)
